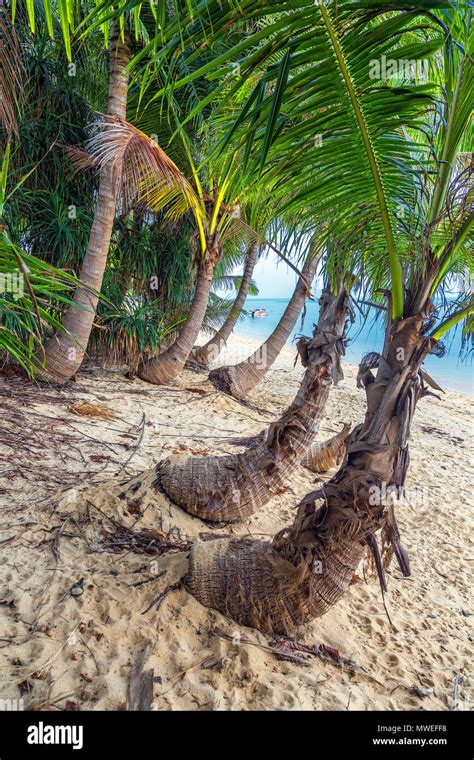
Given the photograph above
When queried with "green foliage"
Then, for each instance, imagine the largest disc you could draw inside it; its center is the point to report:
(274, 117)
(28, 286)
(134, 329)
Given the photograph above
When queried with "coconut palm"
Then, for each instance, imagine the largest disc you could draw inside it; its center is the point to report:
(238, 380)
(216, 224)
(229, 488)
(260, 218)
(211, 350)
(64, 352)
(366, 169)
(309, 566)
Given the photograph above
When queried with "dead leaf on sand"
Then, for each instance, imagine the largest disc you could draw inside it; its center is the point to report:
(95, 411)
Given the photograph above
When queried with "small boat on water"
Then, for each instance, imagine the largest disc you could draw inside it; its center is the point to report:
(259, 313)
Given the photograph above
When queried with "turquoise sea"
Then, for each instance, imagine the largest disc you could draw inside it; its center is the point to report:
(449, 371)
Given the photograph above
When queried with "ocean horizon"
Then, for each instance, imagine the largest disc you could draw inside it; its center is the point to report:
(450, 371)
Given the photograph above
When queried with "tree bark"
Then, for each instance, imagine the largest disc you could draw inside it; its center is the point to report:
(211, 350)
(240, 379)
(232, 487)
(166, 366)
(63, 353)
(276, 586)
(323, 456)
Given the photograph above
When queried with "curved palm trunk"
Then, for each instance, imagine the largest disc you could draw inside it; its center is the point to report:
(63, 353)
(241, 378)
(211, 350)
(306, 569)
(166, 366)
(323, 456)
(232, 487)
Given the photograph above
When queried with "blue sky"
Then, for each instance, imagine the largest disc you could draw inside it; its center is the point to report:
(273, 277)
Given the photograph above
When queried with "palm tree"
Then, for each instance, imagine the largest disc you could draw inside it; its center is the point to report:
(230, 488)
(216, 223)
(168, 364)
(211, 350)
(64, 352)
(150, 179)
(239, 379)
(307, 567)
(260, 218)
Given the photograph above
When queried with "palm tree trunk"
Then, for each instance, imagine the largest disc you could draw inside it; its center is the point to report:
(276, 586)
(211, 350)
(323, 456)
(63, 353)
(166, 366)
(232, 487)
(240, 379)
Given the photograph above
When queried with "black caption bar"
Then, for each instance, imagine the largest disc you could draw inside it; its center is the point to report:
(97, 734)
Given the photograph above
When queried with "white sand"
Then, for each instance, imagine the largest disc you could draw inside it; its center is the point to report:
(82, 649)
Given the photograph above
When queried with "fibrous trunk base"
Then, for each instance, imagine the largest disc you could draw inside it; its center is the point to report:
(249, 582)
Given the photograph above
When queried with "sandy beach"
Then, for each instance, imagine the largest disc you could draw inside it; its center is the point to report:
(59, 513)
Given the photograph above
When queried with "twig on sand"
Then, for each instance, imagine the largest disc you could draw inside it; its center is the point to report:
(291, 657)
(92, 655)
(292, 651)
(146, 541)
(55, 541)
(182, 673)
(49, 703)
(12, 539)
(158, 600)
(148, 580)
(419, 691)
(137, 445)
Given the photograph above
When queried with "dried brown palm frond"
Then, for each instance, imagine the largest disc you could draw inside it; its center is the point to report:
(80, 159)
(11, 72)
(142, 172)
(96, 411)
